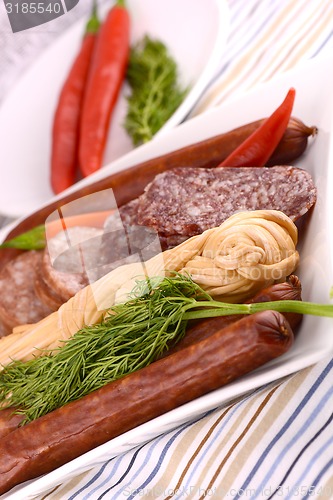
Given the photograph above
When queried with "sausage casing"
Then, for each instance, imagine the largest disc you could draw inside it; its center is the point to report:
(198, 330)
(64, 434)
(9, 421)
(131, 182)
(204, 328)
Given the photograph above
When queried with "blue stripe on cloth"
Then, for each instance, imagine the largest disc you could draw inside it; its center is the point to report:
(151, 446)
(321, 493)
(240, 44)
(300, 407)
(317, 457)
(131, 494)
(109, 476)
(212, 442)
(324, 44)
(146, 460)
(120, 480)
(318, 408)
(116, 462)
(125, 489)
(90, 482)
(237, 46)
(300, 454)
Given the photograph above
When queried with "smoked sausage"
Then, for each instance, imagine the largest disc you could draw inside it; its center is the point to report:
(130, 183)
(295, 140)
(201, 329)
(62, 435)
(204, 328)
(9, 421)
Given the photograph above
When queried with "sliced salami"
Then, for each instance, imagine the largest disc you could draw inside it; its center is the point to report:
(19, 303)
(183, 202)
(128, 213)
(124, 241)
(66, 263)
(47, 295)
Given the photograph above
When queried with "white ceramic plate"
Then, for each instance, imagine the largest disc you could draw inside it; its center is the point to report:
(314, 105)
(195, 33)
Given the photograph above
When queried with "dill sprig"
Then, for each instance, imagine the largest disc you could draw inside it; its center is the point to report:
(155, 92)
(132, 336)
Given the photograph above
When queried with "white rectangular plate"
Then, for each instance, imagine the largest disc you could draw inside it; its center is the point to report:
(314, 104)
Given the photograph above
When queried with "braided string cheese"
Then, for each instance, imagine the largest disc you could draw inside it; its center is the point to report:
(247, 252)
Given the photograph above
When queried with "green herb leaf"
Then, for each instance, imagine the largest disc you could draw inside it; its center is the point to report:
(155, 92)
(132, 336)
(34, 239)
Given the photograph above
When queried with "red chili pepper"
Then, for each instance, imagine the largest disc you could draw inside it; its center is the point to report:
(104, 83)
(66, 123)
(256, 150)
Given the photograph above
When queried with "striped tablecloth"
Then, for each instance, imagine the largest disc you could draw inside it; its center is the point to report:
(276, 442)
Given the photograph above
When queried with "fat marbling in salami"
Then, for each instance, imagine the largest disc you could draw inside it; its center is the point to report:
(185, 202)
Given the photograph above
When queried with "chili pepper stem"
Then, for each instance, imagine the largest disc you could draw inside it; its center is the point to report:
(93, 23)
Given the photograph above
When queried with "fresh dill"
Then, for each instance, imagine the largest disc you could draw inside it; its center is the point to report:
(133, 335)
(155, 95)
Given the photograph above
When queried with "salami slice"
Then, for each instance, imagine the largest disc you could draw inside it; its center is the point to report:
(181, 203)
(66, 263)
(124, 241)
(19, 303)
(128, 213)
(46, 294)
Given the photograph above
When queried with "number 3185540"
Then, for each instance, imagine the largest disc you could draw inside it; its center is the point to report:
(33, 8)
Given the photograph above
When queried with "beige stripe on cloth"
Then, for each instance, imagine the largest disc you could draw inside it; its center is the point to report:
(210, 473)
(66, 489)
(230, 453)
(300, 42)
(188, 449)
(328, 488)
(253, 420)
(263, 427)
(186, 443)
(275, 49)
(245, 64)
